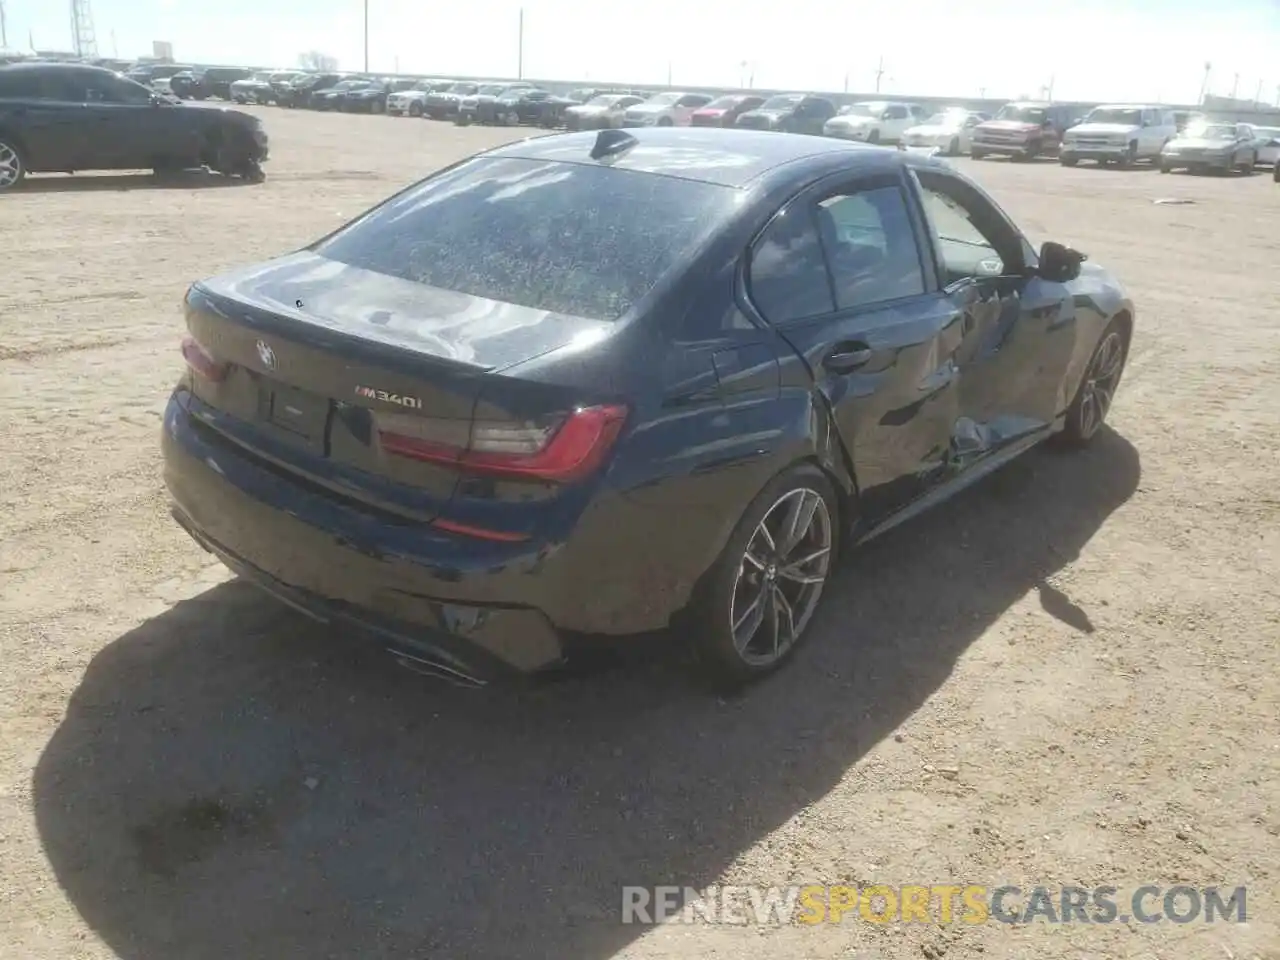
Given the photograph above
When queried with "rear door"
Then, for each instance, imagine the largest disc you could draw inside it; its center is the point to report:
(1019, 332)
(841, 273)
(41, 104)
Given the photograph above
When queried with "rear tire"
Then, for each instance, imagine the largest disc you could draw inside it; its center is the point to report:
(768, 580)
(1068, 161)
(1165, 168)
(13, 166)
(975, 154)
(1097, 390)
(665, 122)
(1275, 172)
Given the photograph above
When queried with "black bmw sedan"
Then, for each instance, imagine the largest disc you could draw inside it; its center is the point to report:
(597, 384)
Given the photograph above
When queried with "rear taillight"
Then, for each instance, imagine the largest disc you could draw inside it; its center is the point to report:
(201, 361)
(560, 450)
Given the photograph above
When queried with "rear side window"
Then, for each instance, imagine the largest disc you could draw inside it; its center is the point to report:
(569, 238)
(788, 275)
(870, 246)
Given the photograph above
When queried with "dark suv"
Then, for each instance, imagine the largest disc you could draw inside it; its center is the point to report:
(64, 117)
(210, 82)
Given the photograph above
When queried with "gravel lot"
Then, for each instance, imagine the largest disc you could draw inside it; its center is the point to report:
(1067, 675)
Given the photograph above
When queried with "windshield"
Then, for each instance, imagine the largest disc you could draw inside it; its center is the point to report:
(569, 238)
(1211, 131)
(948, 118)
(784, 102)
(490, 90)
(1268, 133)
(1013, 111)
(604, 100)
(463, 88)
(860, 110)
(723, 103)
(1130, 118)
(351, 84)
(663, 99)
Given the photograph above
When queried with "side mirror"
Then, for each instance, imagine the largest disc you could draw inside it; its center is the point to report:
(1059, 263)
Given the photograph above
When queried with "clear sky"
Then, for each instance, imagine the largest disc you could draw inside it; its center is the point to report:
(1090, 49)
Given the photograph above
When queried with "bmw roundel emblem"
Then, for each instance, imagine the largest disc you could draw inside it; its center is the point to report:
(266, 355)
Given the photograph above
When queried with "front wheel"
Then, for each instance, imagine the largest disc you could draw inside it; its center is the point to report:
(757, 600)
(12, 168)
(415, 109)
(665, 122)
(1165, 168)
(1246, 168)
(1088, 411)
(953, 148)
(873, 137)
(976, 154)
(1068, 161)
(1275, 172)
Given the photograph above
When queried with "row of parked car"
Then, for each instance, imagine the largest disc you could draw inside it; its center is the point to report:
(1120, 134)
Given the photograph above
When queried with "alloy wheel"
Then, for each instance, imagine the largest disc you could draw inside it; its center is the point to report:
(10, 166)
(780, 577)
(1100, 383)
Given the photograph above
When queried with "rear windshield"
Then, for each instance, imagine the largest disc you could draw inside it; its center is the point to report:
(570, 238)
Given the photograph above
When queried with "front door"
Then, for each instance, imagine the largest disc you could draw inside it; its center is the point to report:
(840, 275)
(1020, 330)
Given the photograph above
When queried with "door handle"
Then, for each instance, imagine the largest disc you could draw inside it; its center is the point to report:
(848, 357)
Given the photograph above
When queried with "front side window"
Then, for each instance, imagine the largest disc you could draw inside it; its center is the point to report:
(106, 89)
(870, 247)
(966, 231)
(563, 237)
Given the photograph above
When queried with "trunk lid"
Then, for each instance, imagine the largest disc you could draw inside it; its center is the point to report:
(319, 356)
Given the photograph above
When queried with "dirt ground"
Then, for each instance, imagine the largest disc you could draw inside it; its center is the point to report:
(1067, 675)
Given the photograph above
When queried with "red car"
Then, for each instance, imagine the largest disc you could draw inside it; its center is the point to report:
(723, 111)
(1023, 131)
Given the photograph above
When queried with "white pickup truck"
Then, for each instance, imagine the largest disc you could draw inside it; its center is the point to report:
(1119, 133)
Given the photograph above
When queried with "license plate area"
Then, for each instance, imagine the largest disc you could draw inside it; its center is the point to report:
(298, 413)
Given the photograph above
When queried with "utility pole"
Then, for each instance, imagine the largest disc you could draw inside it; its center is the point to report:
(366, 36)
(1235, 84)
(879, 73)
(520, 46)
(668, 73)
(1204, 84)
(846, 83)
(1257, 97)
(115, 52)
(1049, 89)
(4, 36)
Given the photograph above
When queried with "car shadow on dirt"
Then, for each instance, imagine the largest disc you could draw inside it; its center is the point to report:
(84, 183)
(230, 782)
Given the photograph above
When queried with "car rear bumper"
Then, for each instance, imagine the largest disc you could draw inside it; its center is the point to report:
(448, 607)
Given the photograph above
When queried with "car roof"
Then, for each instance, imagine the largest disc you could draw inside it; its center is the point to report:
(728, 157)
(55, 65)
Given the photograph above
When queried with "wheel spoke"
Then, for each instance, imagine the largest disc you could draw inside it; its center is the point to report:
(784, 621)
(795, 572)
(752, 559)
(763, 530)
(1087, 410)
(797, 522)
(752, 618)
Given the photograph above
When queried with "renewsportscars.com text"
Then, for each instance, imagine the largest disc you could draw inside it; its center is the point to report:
(936, 903)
